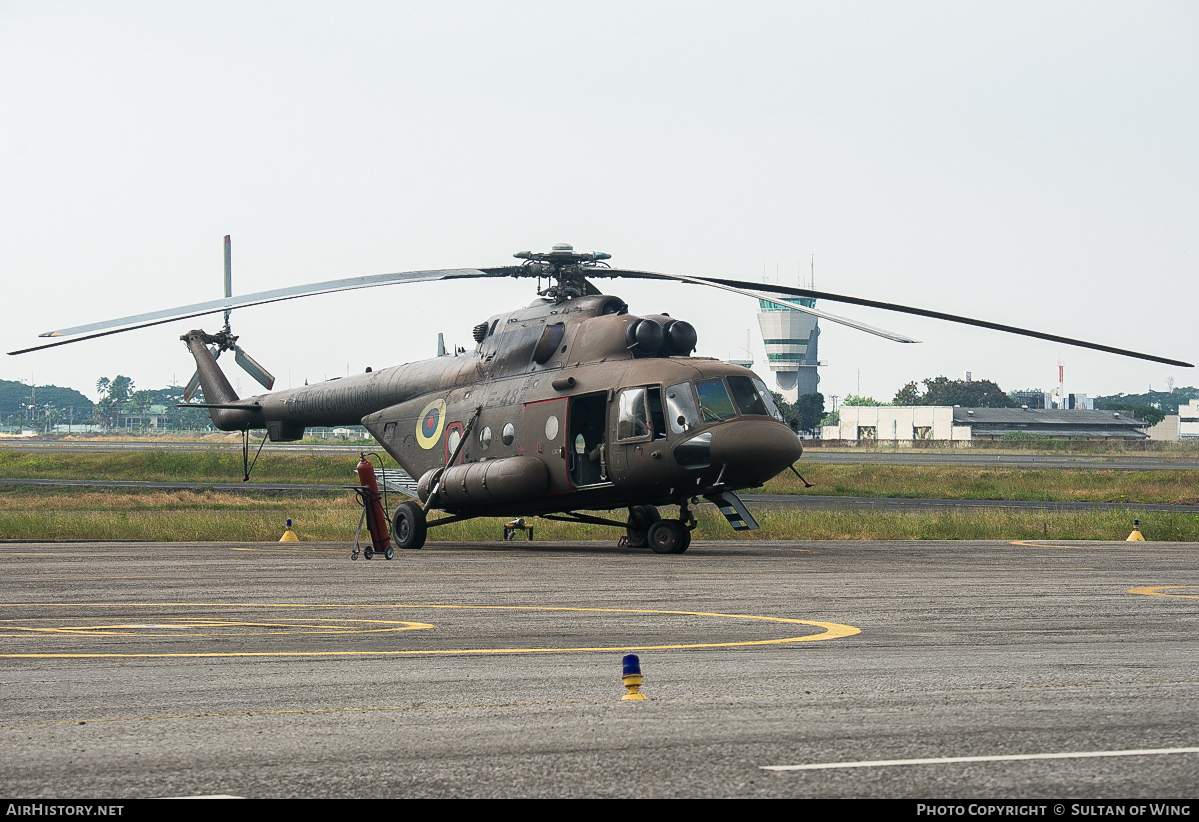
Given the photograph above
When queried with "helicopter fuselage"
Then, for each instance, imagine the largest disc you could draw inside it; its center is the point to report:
(570, 405)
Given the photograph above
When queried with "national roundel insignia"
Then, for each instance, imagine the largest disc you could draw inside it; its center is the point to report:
(430, 424)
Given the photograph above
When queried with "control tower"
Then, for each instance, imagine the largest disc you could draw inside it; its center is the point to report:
(790, 338)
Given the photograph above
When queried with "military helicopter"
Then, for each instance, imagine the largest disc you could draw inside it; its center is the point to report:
(570, 405)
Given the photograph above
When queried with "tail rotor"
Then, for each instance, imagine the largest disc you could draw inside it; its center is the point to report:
(226, 340)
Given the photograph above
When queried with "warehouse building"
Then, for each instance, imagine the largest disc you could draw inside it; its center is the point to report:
(914, 423)
(1188, 420)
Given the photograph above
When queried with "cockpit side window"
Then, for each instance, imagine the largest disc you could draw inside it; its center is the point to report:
(749, 401)
(764, 392)
(681, 409)
(715, 404)
(632, 421)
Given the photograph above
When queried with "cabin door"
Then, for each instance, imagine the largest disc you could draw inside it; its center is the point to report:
(637, 420)
(587, 459)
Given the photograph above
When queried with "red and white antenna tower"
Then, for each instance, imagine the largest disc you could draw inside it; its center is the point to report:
(1061, 384)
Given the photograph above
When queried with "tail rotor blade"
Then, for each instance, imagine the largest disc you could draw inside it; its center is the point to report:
(251, 367)
(193, 385)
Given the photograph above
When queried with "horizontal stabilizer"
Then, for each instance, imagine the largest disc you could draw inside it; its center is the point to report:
(248, 406)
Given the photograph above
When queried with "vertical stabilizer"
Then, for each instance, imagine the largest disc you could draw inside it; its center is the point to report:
(217, 390)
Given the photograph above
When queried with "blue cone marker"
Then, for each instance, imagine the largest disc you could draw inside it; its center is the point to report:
(632, 677)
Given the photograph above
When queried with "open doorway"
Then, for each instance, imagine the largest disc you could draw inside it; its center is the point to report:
(586, 449)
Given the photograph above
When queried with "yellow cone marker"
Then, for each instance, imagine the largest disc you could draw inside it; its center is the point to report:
(632, 677)
(1136, 535)
(289, 535)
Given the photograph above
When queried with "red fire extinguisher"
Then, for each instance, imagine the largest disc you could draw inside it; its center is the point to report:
(376, 518)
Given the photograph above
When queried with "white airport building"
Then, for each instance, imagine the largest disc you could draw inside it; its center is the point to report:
(1188, 420)
(942, 423)
(896, 422)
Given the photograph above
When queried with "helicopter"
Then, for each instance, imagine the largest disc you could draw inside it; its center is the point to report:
(569, 406)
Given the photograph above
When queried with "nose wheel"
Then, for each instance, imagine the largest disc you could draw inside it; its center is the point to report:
(669, 536)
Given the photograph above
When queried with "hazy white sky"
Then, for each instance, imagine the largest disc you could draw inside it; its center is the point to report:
(1029, 163)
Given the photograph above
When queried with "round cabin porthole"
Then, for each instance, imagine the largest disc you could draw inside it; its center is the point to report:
(454, 438)
(485, 437)
(580, 444)
(551, 428)
(509, 434)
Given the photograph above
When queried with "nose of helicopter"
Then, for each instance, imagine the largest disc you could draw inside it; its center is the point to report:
(754, 450)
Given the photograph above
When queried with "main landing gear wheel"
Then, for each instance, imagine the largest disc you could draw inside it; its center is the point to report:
(669, 536)
(408, 526)
(641, 519)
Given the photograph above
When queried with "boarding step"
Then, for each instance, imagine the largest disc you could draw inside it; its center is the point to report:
(734, 511)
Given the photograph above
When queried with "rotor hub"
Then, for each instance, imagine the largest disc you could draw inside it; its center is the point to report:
(224, 340)
(565, 268)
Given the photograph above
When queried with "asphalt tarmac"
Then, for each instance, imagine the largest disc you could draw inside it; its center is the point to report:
(493, 669)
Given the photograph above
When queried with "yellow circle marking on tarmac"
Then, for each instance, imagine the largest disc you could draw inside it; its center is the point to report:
(1156, 591)
(207, 627)
(831, 630)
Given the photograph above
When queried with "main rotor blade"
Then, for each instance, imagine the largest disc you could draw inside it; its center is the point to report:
(886, 306)
(869, 329)
(101, 329)
(251, 367)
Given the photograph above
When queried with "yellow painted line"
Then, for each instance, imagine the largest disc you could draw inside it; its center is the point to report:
(40, 578)
(952, 760)
(30, 554)
(1118, 546)
(1156, 591)
(460, 573)
(771, 571)
(297, 550)
(831, 630)
(1046, 568)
